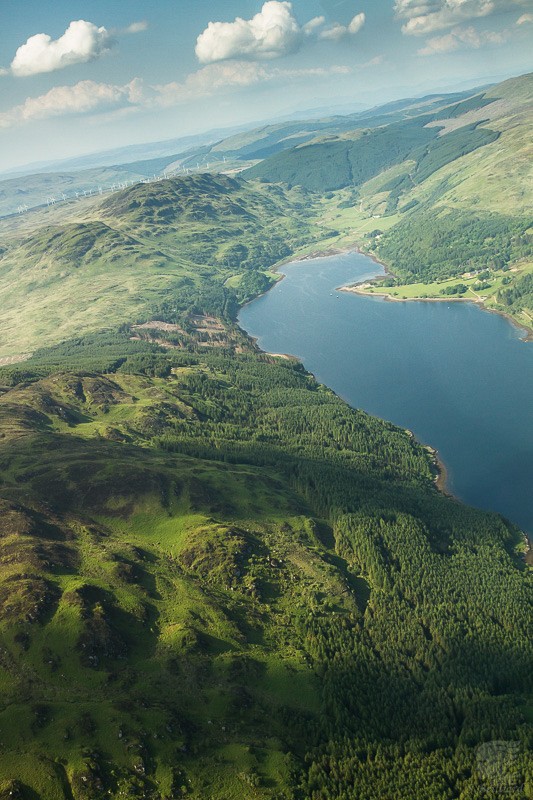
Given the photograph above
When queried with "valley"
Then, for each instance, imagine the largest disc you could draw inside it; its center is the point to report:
(217, 578)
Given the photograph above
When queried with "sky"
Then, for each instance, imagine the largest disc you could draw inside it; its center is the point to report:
(79, 76)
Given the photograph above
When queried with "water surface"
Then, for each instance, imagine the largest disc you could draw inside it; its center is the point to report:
(460, 378)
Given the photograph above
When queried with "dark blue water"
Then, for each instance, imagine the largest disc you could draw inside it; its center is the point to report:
(460, 378)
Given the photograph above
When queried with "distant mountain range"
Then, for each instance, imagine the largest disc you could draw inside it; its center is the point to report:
(218, 150)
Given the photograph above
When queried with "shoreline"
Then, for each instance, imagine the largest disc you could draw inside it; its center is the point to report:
(440, 480)
(359, 288)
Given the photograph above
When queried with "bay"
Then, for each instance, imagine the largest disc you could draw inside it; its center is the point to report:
(459, 377)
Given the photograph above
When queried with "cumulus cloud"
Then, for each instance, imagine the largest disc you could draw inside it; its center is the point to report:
(81, 98)
(337, 31)
(313, 24)
(421, 17)
(461, 38)
(272, 33)
(525, 19)
(81, 42)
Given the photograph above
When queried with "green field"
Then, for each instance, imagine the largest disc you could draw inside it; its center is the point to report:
(485, 291)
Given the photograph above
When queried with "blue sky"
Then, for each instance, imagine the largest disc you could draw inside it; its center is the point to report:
(79, 76)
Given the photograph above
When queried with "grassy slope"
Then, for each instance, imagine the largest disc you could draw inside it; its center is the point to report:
(114, 261)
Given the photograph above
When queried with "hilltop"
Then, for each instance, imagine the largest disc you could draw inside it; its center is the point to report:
(118, 257)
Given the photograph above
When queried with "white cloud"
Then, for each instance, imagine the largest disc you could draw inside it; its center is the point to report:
(273, 32)
(81, 42)
(88, 97)
(356, 24)
(214, 78)
(313, 24)
(137, 27)
(207, 81)
(334, 33)
(461, 38)
(525, 19)
(81, 98)
(421, 17)
(337, 31)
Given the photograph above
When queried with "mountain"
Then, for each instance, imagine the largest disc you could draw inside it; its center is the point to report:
(219, 151)
(112, 261)
(450, 189)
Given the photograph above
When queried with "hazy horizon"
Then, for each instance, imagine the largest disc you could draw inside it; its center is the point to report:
(82, 78)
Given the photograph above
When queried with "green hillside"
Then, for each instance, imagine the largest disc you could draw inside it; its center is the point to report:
(438, 196)
(106, 172)
(113, 261)
(226, 583)
(352, 159)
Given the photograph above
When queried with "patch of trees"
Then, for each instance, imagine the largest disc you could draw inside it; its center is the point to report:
(435, 245)
(518, 295)
(457, 288)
